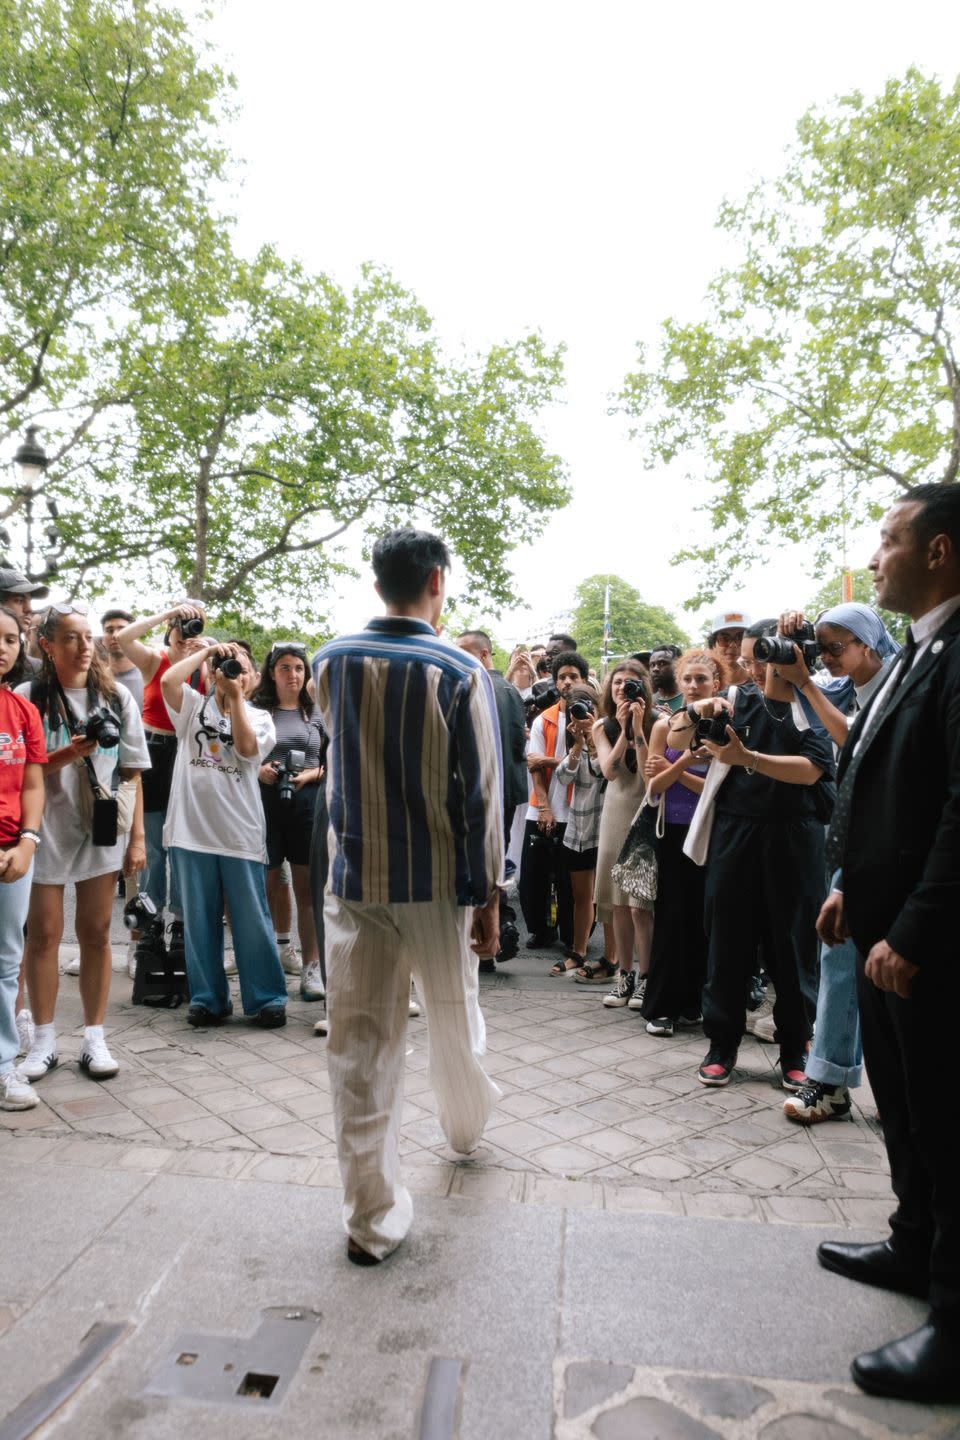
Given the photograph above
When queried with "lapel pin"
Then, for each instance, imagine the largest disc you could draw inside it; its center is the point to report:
(936, 647)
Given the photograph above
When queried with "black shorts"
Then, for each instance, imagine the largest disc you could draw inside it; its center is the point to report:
(289, 825)
(580, 860)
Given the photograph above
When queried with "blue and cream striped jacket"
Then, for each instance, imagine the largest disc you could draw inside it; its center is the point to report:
(414, 782)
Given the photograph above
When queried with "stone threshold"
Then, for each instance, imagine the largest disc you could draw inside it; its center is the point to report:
(457, 1180)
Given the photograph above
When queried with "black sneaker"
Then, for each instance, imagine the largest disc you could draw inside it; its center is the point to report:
(717, 1066)
(271, 1017)
(487, 967)
(202, 1018)
(815, 1102)
(177, 949)
(792, 1072)
(542, 941)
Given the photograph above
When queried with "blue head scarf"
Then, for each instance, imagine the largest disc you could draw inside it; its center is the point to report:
(863, 623)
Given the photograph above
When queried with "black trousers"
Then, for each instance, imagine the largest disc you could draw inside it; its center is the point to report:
(543, 859)
(764, 886)
(909, 1048)
(319, 864)
(678, 958)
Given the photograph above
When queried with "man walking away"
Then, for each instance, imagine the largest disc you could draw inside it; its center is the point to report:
(415, 796)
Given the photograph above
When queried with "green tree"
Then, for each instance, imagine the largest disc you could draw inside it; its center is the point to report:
(831, 593)
(822, 380)
(272, 413)
(634, 625)
(108, 150)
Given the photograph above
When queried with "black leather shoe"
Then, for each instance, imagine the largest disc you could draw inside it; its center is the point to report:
(271, 1017)
(206, 1019)
(922, 1366)
(874, 1264)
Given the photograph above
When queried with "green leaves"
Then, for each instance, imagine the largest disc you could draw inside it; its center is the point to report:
(634, 625)
(822, 378)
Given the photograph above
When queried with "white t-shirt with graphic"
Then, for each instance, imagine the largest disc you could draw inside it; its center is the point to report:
(215, 802)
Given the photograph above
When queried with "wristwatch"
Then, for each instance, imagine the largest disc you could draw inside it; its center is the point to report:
(31, 835)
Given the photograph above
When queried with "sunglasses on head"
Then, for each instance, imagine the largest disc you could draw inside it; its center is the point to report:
(288, 647)
(69, 607)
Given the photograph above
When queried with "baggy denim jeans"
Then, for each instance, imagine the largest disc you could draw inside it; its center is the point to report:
(14, 900)
(836, 1056)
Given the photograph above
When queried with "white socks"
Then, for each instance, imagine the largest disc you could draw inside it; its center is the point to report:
(45, 1038)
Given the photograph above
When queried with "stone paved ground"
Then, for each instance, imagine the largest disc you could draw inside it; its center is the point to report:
(594, 1110)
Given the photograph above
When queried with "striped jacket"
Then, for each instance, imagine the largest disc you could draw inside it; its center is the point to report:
(413, 771)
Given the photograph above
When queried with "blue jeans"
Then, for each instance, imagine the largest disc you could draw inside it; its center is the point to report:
(836, 1056)
(204, 881)
(155, 881)
(14, 899)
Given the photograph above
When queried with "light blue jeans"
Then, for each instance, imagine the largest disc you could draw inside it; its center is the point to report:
(14, 899)
(836, 1056)
(155, 875)
(204, 881)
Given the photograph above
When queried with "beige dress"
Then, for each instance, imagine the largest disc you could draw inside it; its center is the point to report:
(621, 801)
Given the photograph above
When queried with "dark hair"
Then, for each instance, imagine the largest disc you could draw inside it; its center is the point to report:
(244, 645)
(672, 650)
(404, 560)
(479, 637)
(567, 640)
(265, 696)
(100, 679)
(569, 657)
(19, 670)
(939, 513)
(611, 725)
(116, 614)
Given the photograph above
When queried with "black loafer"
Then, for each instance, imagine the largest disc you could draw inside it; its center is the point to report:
(874, 1264)
(205, 1019)
(271, 1017)
(924, 1365)
(358, 1256)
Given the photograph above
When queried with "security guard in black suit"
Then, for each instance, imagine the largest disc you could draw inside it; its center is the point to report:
(896, 836)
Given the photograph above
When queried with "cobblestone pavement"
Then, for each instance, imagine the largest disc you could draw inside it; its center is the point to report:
(594, 1110)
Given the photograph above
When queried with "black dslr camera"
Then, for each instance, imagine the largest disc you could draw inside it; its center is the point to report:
(140, 912)
(290, 765)
(100, 725)
(633, 690)
(580, 710)
(230, 667)
(778, 649)
(710, 727)
(543, 695)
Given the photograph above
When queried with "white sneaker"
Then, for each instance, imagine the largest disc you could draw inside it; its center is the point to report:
(25, 1030)
(96, 1059)
(311, 982)
(72, 967)
(119, 959)
(290, 959)
(132, 959)
(16, 1093)
(759, 1022)
(40, 1058)
(414, 1010)
(639, 994)
(322, 1026)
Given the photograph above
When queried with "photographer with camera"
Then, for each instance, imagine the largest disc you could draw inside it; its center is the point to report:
(289, 784)
(855, 646)
(92, 827)
(581, 768)
(621, 735)
(216, 836)
(184, 625)
(542, 863)
(765, 862)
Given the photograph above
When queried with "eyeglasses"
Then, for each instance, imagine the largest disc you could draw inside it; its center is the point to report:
(288, 647)
(70, 607)
(834, 648)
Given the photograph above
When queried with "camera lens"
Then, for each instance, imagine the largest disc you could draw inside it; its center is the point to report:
(190, 629)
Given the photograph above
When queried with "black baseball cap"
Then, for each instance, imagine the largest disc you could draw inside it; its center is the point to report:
(13, 583)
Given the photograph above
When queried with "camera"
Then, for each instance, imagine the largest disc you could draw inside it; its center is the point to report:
(190, 629)
(778, 649)
(633, 690)
(101, 725)
(543, 695)
(580, 710)
(293, 763)
(228, 665)
(140, 912)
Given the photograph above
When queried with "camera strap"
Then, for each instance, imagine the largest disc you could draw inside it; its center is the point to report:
(71, 721)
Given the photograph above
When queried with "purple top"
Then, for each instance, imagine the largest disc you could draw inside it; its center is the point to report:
(679, 801)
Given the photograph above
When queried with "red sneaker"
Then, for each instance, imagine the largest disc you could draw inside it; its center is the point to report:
(717, 1067)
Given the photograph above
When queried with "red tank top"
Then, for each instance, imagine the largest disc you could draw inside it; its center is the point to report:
(156, 716)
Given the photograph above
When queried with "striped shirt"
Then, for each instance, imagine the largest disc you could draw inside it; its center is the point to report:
(414, 777)
(586, 803)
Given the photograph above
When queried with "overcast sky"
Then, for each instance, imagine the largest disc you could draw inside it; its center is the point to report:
(549, 166)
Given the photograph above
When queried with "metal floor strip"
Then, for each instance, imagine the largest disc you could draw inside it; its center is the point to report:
(39, 1406)
(438, 1418)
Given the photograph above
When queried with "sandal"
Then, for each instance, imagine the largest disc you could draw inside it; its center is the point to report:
(568, 963)
(595, 972)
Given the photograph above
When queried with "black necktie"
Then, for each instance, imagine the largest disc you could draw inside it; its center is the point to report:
(840, 823)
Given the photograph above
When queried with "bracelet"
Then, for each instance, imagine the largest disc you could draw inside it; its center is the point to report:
(752, 769)
(31, 835)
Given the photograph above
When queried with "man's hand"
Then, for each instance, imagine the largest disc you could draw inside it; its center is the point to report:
(889, 971)
(545, 818)
(486, 920)
(831, 925)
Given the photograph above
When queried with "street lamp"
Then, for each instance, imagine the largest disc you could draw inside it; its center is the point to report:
(31, 462)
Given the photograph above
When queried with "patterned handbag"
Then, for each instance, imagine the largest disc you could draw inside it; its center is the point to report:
(636, 868)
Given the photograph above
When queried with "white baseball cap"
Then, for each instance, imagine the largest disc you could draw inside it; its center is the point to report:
(730, 620)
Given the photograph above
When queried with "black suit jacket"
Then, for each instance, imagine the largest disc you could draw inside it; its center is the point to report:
(513, 740)
(901, 862)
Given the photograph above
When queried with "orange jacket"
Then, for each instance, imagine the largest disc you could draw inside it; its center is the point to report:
(551, 729)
